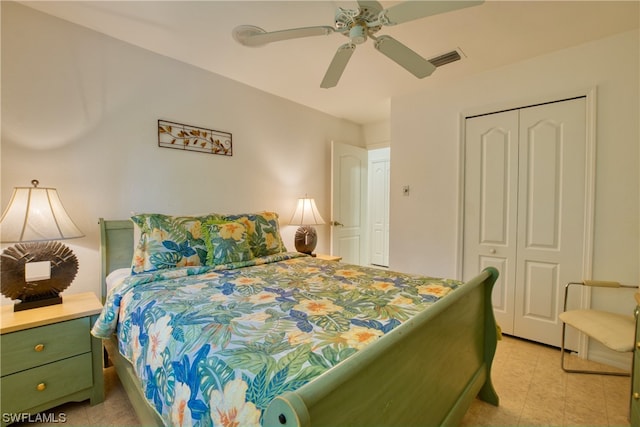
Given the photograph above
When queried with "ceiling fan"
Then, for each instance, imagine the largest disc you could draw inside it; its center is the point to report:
(360, 24)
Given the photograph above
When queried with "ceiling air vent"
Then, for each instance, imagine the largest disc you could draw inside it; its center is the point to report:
(445, 59)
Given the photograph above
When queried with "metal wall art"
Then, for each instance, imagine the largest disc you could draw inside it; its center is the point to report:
(191, 138)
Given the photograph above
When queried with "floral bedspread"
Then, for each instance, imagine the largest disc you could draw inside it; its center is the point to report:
(214, 345)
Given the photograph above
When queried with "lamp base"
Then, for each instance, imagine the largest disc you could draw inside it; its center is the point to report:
(306, 239)
(28, 305)
(36, 292)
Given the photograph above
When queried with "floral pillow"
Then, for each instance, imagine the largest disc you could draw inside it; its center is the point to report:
(262, 231)
(168, 242)
(226, 241)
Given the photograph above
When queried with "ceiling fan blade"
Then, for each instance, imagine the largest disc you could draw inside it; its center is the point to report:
(410, 10)
(371, 5)
(337, 66)
(405, 57)
(249, 35)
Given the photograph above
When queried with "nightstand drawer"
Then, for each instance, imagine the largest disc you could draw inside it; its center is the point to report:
(37, 346)
(46, 383)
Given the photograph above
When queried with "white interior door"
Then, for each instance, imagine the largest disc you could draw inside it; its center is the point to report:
(525, 210)
(379, 175)
(349, 202)
(551, 215)
(490, 206)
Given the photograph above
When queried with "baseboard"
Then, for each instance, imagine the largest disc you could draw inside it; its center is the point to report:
(611, 358)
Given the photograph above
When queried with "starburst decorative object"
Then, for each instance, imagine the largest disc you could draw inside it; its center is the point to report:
(37, 268)
(306, 216)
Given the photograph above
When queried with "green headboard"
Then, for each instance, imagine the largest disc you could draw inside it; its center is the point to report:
(116, 247)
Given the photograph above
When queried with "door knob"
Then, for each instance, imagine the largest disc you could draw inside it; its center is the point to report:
(492, 251)
(337, 223)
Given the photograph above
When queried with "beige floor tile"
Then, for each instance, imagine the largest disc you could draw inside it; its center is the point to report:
(535, 391)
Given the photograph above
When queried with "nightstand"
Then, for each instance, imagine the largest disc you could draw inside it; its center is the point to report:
(49, 356)
(329, 257)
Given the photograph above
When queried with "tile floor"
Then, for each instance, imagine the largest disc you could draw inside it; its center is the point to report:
(533, 391)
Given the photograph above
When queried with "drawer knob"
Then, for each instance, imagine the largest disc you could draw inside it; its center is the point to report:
(636, 395)
(39, 347)
(41, 387)
(638, 344)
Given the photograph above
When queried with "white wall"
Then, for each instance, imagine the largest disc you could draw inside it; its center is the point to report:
(425, 150)
(377, 134)
(425, 135)
(80, 111)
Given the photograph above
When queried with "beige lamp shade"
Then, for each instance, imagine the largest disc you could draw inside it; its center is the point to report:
(36, 214)
(306, 213)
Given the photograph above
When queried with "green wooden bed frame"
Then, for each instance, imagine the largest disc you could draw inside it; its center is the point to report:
(441, 361)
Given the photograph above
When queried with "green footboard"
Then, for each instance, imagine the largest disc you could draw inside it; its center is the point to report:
(426, 372)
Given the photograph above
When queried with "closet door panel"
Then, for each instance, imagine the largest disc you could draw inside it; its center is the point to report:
(490, 210)
(551, 215)
(541, 287)
(544, 184)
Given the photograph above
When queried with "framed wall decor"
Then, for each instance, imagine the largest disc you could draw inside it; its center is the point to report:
(192, 138)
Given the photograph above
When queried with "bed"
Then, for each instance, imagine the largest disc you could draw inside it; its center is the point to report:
(409, 366)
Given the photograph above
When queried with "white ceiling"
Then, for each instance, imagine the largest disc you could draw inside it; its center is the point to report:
(491, 35)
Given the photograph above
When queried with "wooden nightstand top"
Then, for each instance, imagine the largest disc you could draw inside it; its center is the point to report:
(72, 307)
(329, 257)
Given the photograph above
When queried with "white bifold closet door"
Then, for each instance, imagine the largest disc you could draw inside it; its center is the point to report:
(525, 209)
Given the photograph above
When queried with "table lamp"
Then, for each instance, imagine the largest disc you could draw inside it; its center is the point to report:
(306, 216)
(36, 269)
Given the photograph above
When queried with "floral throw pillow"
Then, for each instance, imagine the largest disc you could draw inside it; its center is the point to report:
(226, 242)
(168, 242)
(262, 231)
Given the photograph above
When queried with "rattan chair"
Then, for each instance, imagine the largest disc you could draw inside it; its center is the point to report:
(615, 331)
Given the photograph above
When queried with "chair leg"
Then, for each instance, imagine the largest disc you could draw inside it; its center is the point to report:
(582, 371)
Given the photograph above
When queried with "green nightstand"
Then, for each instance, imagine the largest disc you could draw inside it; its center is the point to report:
(49, 356)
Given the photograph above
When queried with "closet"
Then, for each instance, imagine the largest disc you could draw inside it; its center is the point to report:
(526, 210)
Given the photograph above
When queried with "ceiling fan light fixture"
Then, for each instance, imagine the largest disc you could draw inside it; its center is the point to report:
(358, 34)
